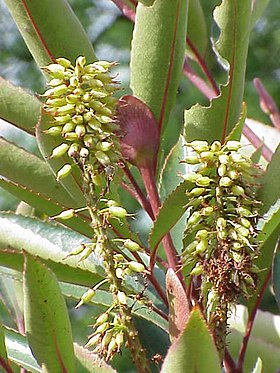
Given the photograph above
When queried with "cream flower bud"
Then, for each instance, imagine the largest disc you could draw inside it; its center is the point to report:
(64, 172)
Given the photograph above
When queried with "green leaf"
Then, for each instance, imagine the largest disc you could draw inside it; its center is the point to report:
(269, 194)
(197, 35)
(51, 30)
(47, 323)
(19, 352)
(216, 121)
(45, 205)
(104, 299)
(30, 179)
(171, 211)
(276, 274)
(264, 341)
(194, 351)
(269, 222)
(91, 362)
(52, 242)
(258, 9)
(3, 351)
(18, 106)
(158, 48)
(47, 143)
(173, 169)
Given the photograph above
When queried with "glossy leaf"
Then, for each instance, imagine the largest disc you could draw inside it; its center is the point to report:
(171, 211)
(258, 8)
(30, 171)
(194, 351)
(18, 107)
(216, 121)
(173, 169)
(269, 193)
(104, 299)
(46, 206)
(47, 323)
(19, 351)
(264, 341)
(269, 222)
(197, 35)
(157, 54)
(51, 242)
(38, 22)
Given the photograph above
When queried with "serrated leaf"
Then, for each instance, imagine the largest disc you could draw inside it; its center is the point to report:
(171, 211)
(194, 351)
(39, 21)
(18, 107)
(216, 121)
(72, 183)
(52, 242)
(173, 169)
(91, 362)
(158, 48)
(26, 169)
(236, 132)
(19, 352)
(46, 205)
(47, 323)
(269, 222)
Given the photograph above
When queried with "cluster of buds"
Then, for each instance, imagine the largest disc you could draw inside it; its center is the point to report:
(221, 237)
(80, 101)
(108, 336)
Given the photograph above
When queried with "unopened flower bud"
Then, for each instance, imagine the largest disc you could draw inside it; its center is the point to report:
(195, 192)
(225, 181)
(136, 267)
(216, 146)
(122, 298)
(118, 212)
(64, 171)
(131, 245)
(102, 158)
(94, 340)
(101, 319)
(233, 145)
(63, 62)
(59, 151)
(64, 215)
(86, 297)
(53, 131)
(203, 181)
(237, 190)
(196, 271)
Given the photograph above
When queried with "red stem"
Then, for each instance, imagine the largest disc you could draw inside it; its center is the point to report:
(138, 195)
(203, 66)
(37, 31)
(251, 322)
(257, 142)
(147, 174)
